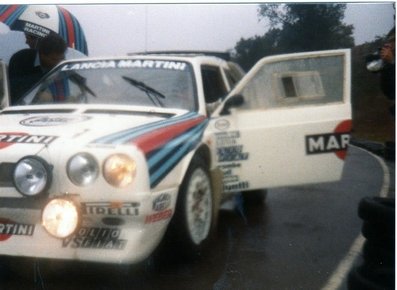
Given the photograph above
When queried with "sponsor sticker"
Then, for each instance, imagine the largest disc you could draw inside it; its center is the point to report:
(95, 238)
(9, 228)
(10, 138)
(46, 121)
(162, 202)
(111, 208)
(222, 124)
(336, 142)
(166, 214)
(231, 153)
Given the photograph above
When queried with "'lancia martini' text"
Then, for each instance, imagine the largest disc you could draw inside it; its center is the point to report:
(156, 64)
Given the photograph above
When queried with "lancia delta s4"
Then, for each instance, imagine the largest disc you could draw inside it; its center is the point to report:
(105, 157)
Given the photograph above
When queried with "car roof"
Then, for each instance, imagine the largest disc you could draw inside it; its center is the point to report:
(188, 53)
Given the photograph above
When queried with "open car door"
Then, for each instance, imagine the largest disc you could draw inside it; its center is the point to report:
(287, 122)
(4, 94)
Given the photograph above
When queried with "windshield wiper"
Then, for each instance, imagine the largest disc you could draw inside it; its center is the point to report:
(81, 82)
(147, 89)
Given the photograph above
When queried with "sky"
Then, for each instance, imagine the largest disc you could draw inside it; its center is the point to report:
(118, 29)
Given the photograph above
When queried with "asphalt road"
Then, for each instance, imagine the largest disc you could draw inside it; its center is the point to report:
(304, 237)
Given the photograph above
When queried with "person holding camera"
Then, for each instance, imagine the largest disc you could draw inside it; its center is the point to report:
(388, 83)
(383, 62)
(388, 72)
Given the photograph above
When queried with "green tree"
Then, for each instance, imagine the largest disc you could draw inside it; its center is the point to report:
(248, 51)
(297, 28)
(308, 27)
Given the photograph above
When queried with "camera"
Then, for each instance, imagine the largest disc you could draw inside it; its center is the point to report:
(374, 62)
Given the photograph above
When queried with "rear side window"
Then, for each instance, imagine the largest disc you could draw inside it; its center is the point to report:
(231, 79)
(234, 74)
(214, 86)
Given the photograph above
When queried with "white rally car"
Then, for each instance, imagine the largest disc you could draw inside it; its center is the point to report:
(104, 155)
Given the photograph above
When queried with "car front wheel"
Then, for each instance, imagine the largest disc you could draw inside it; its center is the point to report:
(193, 221)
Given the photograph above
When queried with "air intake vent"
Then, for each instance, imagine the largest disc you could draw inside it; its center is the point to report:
(127, 112)
(43, 111)
(6, 172)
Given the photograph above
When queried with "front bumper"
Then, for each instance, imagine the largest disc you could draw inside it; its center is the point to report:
(110, 232)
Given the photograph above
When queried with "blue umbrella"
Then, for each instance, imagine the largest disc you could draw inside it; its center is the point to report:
(41, 20)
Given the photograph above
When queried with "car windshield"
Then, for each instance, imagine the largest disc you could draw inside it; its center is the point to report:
(138, 82)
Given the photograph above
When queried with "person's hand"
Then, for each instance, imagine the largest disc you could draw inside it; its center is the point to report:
(44, 97)
(387, 53)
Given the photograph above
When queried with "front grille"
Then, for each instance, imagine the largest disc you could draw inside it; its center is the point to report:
(6, 172)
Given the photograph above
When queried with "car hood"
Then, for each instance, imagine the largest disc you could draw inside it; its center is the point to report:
(30, 129)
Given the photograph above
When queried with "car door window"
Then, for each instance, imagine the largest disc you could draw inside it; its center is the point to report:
(297, 82)
(231, 79)
(214, 86)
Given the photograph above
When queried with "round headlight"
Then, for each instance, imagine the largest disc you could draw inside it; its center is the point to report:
(119, 170)
(60, 217)
(31, 176)
(82, 169)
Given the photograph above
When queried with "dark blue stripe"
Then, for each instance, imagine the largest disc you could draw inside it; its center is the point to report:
(175, 153)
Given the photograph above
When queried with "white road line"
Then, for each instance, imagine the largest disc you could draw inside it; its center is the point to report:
(339, 275)
(386, 173)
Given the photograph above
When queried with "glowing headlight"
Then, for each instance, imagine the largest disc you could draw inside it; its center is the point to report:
(119, 170)
(31, 176)
(60, 217)
(82, 169)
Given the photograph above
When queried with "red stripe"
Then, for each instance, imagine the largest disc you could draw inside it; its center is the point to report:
(8, 12)
(159, 137)
(69, 27)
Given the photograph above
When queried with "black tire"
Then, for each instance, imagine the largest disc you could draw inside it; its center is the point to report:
(374, 254)
(379, 234)
(377, 209)
(254, 197)
(191, 228)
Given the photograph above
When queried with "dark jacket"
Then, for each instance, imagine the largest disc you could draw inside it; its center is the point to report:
(23, 73)
(388, 84)
(388, 81)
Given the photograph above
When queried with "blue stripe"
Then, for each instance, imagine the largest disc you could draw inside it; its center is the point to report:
(158, 156)
(3, 8)
(194, 137)
(62, 27)
(15, 15)
(81, 43)
(80, 40)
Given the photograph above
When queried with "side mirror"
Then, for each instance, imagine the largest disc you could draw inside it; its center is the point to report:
(232, 102)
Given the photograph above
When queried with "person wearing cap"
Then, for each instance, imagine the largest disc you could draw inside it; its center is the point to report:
(31, 40)
(28, 66)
